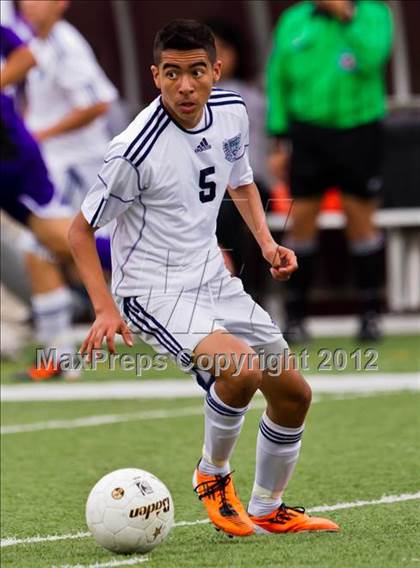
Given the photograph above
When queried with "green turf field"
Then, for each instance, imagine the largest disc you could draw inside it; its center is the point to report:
(394, 354)
(355, 448)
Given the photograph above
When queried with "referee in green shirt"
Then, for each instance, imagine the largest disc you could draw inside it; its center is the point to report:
(326, 95)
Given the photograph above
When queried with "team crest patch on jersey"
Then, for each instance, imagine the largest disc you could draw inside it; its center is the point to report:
(231, 148)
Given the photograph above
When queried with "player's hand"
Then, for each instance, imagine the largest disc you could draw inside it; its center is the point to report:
(283, 261)
(106, 325)
(341, 9)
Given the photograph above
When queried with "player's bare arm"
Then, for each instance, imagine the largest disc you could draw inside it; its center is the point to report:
(75, 119)
(248, 202)
(18, 63)
(17, 66)
(108, 320)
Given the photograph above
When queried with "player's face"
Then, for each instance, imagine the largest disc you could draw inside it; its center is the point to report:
(185, 79)
(40, 13)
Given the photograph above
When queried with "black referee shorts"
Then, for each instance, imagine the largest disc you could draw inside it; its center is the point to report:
(349, 159)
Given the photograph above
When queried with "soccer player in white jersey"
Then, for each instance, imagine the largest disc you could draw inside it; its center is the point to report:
(162, 183)
(68, 95)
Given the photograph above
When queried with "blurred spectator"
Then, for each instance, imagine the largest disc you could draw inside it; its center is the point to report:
(28, 196)
(237, 76)
(326, 95)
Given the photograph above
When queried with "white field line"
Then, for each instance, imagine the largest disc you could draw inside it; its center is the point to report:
(385, 500)
(325, 383)
(110, 564)
(35, 539)
(101, 420)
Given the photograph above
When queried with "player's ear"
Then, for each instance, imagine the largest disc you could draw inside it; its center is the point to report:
(217, 70)
(156, 77)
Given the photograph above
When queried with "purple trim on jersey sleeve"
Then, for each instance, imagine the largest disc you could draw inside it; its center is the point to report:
(9, 41)
(103, 246)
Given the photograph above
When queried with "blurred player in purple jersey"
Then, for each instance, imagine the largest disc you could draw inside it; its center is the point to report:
(28, 196)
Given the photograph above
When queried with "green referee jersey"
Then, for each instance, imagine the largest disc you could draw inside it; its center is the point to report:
(327, 72)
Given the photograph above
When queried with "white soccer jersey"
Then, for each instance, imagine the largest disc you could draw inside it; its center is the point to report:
(67, 76)
(164, 185)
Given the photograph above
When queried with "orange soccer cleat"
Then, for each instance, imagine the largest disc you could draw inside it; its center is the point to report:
(291, 519)
(223, 506)
(42, 373)
(46, 373)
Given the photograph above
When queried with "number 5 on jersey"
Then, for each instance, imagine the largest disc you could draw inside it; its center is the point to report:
(208, 186)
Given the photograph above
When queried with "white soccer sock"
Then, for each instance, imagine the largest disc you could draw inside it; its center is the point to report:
(52, 318)
(222, 426)
(277, 454)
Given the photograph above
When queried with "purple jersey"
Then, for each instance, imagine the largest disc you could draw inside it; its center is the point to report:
(26, 187)
(8, 41)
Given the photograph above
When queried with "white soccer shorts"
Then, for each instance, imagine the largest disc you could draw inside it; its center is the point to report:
(174, 323)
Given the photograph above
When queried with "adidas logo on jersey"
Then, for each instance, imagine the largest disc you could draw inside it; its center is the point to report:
(203, 146)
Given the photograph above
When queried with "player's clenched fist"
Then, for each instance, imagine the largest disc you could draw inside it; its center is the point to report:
(283, 261)
(106, 325)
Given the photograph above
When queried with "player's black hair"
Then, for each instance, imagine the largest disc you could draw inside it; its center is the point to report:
(184, 35)
(233, 37)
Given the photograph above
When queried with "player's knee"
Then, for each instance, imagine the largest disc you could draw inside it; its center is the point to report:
(299, 394)
(302, 395)
(52, 234)
(250, 379)
(305, 396)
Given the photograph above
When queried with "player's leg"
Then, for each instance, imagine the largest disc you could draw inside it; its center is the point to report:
(178, 325)
(366, 246)
(288, 398)
(308, 180)
(52, 233)
(51, 298)
(31, 200)
(51, 302)
(225, 406)
(361, 182)
(228, 398)
(302, 239)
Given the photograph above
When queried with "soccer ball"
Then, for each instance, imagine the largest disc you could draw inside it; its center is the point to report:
(129, 510)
